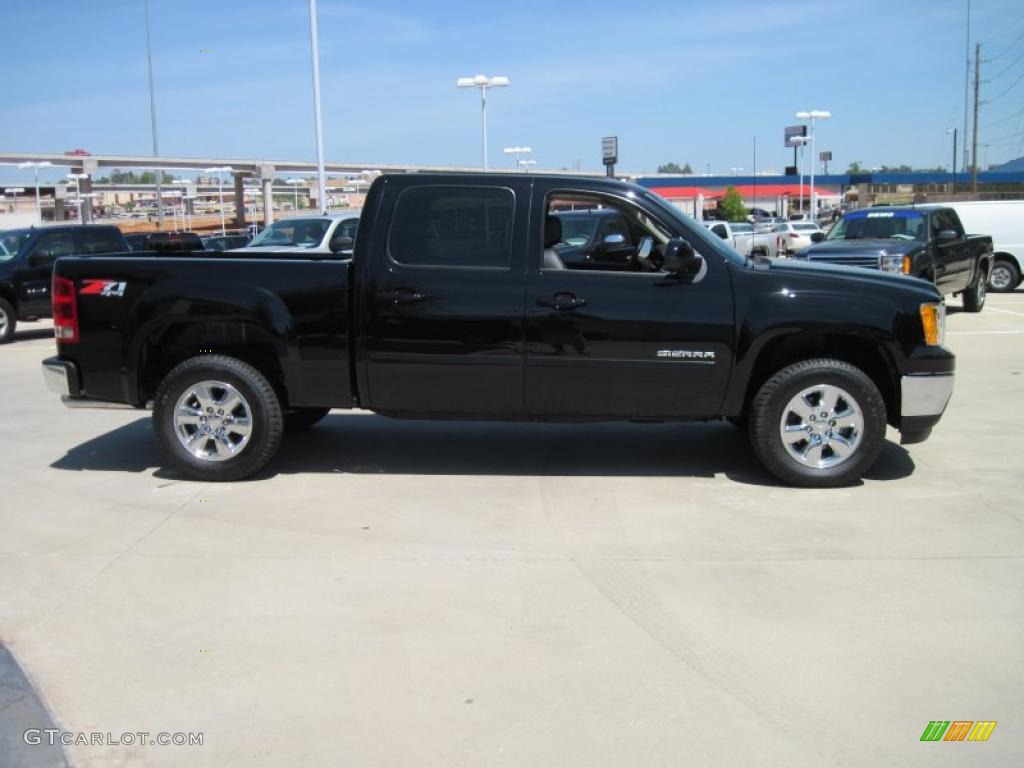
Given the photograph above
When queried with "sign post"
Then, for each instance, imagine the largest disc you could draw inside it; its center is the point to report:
(610, 154)
(825, 157)
(797, 132)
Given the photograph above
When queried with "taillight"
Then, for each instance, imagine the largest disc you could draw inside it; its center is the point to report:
(65, 310)
(794, 235)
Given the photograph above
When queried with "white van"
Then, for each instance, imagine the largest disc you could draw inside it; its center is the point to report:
(1003, 220)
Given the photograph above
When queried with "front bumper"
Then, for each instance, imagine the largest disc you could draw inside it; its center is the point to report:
(923, 400)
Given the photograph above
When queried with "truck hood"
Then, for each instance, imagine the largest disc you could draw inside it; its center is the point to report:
(857, 247)
(813, 273)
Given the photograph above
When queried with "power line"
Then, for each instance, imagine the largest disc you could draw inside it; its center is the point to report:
(1003, 120)
(1008, 137)
(1008, 48)
(996, 77)
(1015, 82)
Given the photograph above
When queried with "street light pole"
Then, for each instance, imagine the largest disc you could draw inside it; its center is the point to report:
(294, 183)
(812, 115)
(77, 177)
(517, 151)
(483, 83)
(320, 173)
(954, 132)
(14, 191)
(152, 120)
(220, 169)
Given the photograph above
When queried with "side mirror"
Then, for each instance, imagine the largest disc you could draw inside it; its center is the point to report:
(947, 234)
(342, 243)
(817, 237)
(614, 238)
(680, 259)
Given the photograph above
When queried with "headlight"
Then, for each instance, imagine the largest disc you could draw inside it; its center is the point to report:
(891, 262)
(933, 321)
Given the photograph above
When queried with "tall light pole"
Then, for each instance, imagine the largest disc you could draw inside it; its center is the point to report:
(37, 166)
(219, 169)
(954, 132)
(517, 151)
(812, 115)
(183, 183)
(88, 198)
(483, 83)
(77, 178)
(152, 120)
(800, 141)
(295, 192)
(525, 165)
(321, 176)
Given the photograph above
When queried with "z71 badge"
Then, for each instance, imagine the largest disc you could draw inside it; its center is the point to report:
(102, 288)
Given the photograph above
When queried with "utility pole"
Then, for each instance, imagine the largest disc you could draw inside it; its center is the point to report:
(967, 79)
(974, 140)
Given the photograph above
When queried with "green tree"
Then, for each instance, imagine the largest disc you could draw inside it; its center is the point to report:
(732, 206)
(675, 168)
(854, 167)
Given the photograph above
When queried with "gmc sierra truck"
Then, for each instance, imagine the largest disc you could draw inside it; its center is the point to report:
(929, 243)
(457, 305)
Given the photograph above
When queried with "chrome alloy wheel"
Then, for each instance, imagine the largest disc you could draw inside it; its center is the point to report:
(4, 321)
(821, 426)
(1000, 277)
(213, 421)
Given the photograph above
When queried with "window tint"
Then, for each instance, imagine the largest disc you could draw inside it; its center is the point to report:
(720, 230)
(54, 244)
(453, 227)
(101, 241)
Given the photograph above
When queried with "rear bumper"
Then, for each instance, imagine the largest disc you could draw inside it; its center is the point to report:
(923, 399)
(61, 376)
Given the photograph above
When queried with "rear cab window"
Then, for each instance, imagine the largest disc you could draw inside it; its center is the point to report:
(441, 226)
(101, 241)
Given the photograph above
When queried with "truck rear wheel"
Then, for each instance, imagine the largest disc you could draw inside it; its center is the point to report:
(8, 321)
(217, 418)
(1004, 277)
(818, 423)
(974, 296)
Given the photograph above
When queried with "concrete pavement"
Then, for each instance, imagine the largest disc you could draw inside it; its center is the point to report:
(429, 594)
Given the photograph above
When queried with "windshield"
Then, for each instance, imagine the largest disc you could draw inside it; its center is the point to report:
(12, 240)
(691, 230)
(880, 225)
(806, 228)
(742, 229)
(304, 233)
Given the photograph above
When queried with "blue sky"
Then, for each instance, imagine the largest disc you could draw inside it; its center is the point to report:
(683, 81)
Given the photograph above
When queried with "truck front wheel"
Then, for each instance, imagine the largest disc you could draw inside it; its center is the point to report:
(818, 423)
(217, 418)
(974, 296)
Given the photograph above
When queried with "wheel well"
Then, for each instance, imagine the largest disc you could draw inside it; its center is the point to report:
(180, 341)
(1004, 256)
(864, 354)
(8, 294)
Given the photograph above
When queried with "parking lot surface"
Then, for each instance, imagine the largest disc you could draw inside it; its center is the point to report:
(450, 594)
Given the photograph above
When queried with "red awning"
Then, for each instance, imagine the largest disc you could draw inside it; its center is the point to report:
(746, 190)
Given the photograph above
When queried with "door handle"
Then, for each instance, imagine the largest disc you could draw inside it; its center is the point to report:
(401, 296)
(561, 302)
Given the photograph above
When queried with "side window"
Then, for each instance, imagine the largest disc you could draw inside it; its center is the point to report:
(453, 227)
(53, 245)
(100, 241)
(591, 231)
(720, 230)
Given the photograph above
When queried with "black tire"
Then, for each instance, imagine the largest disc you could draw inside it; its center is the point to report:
(265, 420)
(8, 321)
(974, 296)
(774, 397)
(303, 418)
(1004, 277)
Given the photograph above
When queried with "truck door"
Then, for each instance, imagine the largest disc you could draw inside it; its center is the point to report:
(442, 300)
(35, 273)
(623, 344)
(952, 257)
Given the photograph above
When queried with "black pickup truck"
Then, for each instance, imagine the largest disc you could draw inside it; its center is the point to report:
(456, 305)
(26, 264)
(926, 242)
